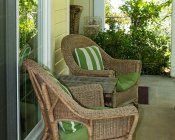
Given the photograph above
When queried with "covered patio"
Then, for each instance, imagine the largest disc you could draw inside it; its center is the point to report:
(157, 118)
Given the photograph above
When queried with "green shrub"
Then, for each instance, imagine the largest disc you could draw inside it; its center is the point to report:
(27, 21)
(151, 50)
(27, 28)
(146, 40)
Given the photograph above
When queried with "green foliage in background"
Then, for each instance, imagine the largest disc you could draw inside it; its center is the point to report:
(27, 21)
(146, 40)
(27, 28)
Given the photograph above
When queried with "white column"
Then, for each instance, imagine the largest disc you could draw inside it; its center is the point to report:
(99, 10)
(44, 33)
(173, 41)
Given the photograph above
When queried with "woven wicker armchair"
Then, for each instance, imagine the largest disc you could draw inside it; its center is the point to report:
(56, 105)
(113, 67)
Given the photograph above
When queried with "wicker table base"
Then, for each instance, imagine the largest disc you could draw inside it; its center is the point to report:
(107, 83)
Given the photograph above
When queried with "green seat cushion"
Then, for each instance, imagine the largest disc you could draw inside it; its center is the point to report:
(80, 134)
(89, 58)
(125, 81)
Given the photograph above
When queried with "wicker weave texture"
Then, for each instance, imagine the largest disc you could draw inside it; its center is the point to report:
(113, 67)
(56, 105)
(75, 13)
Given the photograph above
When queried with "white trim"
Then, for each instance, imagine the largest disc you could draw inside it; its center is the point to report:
(100, 11)
(36, 132)
(173, 40)
(44, 32)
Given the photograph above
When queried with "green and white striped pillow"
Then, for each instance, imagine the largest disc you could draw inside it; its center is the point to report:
(69, 126)
(66, 126)
(89, 58)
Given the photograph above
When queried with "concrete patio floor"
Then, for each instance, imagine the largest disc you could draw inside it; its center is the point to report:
(157, 119)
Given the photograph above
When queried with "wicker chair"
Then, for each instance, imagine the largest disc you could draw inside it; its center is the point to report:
(117, 123)
(113, 67)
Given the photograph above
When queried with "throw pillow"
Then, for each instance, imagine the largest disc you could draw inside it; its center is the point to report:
(80, 134)
(125, 81)
(89, 58)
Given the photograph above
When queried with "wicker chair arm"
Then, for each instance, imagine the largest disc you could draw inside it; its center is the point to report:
(125, 66)
(122, 121)
(88, 95)
(102, 124)
(111, 120)
(82, 114)
(102, 73)
(78, 112)
(110, 113)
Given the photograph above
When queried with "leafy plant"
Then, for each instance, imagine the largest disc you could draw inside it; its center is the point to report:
(145, 40)
(24, 53)
(27, 27)
(27, 21)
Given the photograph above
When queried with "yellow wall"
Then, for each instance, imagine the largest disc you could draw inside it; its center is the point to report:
(60, 28)
(87, 10)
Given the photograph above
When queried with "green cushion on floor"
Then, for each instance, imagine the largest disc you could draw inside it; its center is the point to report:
(80, 134)
(125, 81)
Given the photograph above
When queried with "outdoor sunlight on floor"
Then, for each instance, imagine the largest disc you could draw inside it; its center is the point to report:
(157, 119)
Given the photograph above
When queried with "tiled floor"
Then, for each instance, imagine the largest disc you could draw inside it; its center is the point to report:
(157, 119)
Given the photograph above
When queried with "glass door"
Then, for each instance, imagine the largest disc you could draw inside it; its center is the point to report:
(28, 48)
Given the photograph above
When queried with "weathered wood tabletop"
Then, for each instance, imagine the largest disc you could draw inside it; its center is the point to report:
(108, 84)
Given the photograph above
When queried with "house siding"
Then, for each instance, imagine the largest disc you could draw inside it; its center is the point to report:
(60, 28)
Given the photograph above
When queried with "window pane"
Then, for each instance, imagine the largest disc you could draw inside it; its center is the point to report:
(28, 29)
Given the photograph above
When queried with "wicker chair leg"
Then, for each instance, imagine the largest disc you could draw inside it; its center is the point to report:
(90, 131)
(45, 135)
(129, 137)
(136, 104)
(53, 125)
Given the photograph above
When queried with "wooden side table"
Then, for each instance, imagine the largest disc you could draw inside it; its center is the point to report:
(107, 83)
